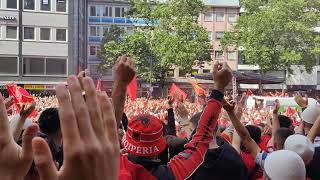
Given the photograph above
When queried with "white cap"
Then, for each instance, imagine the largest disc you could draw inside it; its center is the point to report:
(285, 165)
(311, 113)
(301, 145)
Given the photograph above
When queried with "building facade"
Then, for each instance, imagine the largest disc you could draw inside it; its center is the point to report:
(102, 14)
(39, 41)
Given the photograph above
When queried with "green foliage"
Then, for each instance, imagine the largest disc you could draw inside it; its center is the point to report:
(171, 37)
(276, 34)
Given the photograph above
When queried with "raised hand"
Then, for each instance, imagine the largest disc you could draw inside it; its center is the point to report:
(276, 106)
(15, 161)
(124, 70)
(169, 103)
(302, 102)
(90, 137)
(26, 111)
(228, 105)
(9, 102)
(222, 75)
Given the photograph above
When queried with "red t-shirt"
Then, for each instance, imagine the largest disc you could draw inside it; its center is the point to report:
(264, 142)
(254, 171)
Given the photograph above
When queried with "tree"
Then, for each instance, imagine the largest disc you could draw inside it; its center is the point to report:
(170, 37)
(276, 34)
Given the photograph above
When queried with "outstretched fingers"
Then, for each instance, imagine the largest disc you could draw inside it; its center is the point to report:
(43, 160)
(5, 134)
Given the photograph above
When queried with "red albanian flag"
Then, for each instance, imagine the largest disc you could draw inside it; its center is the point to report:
(98, 88)
(175, 91)
(132, 89)
(20, 95)
(198, 89)
(249, 92)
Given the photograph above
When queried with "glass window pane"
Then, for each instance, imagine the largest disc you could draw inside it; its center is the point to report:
(61, 6)
(219, 55)
(93, 51)
(29, 4)
(33, 66)
(56, 66)
(99, 10)
(8, 65)
(28, 33)
(220, 16)
(231, 55)
(210, 35)
(219, 34)
(117, 12)
(93, 30)
(208, 16)
(12, 4)
(232, 17)
(61, 34)
(45, 34)
(93, 11)
(107, 11)
(45, 5)
(11, 32)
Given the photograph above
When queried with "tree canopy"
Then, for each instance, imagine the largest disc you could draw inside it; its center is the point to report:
(170, 37)
(276, 34)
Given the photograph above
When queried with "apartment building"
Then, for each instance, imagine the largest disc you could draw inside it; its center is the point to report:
(40, 41)
(101, 15)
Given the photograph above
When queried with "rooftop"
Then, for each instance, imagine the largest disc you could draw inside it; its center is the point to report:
(222, 3)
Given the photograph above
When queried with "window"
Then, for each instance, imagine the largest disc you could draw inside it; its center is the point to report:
(94, 31)
(219, 55)
(99, 10)
(29, 5)
(28, 33)
(8, 65)
(208, 16)
(56, 66)
(45, 5)
(119, 11)
(93, 50)
(219, 35)
(220, 16)
(232, 55)
(194, 72)
(93, 11)
(61, 6)
(170, 73)
(45, 34)
(12, 4)
(232, 17)
(61, 35)
(107, 11)
(182, 73)
(33, 66)
(210, 35)
(12, 32)
(106, 29)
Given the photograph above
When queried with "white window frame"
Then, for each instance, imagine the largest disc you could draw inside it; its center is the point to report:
(109, 7)
(114, 11)
(210, 35)
(35, 6)
(17, 67)
(50, 34)
(98, 29)
(224, 16)
(0, 4)
(90, 10)
(67, 6)
(10, 39)
(45, 69)
(66, 34)
(51, 7)
(204, 16)
(34, 32)
(11, 8)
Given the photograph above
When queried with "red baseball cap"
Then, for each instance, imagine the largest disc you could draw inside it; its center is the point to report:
(144, 136)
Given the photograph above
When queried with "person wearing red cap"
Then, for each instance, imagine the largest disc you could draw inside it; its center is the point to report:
(144, 139)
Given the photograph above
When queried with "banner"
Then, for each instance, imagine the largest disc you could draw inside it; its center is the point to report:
(198, 89)
(20, 95)
(132, 89)
(98, 88)
(175, 91)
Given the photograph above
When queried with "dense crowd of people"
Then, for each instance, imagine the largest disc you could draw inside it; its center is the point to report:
(81, 133)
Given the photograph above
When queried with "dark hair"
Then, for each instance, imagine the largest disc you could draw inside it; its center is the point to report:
(124, 121)
(282, 134)
(175, 145)
(49, 121)
(255, 133)
(285, 121)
